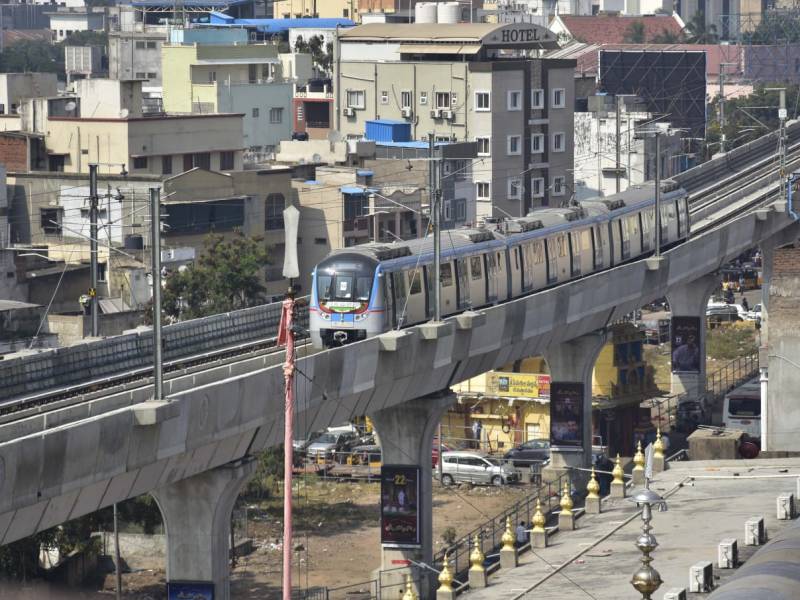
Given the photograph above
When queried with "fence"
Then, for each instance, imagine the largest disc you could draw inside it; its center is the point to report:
(390, 585)
(718, 383)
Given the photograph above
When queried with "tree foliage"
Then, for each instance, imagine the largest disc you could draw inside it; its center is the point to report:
(775, 28)
(321, 53)
(38, 56)
(667, 37)
(698, 32)
(635, 34)
(226, 277)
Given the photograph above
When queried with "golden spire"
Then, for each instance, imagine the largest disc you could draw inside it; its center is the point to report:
(618, 472)
(566, 500)
(508, 536)
(409, 593)
(593, 488)
(445, 577)
(476, 558)
(538, 518)
(638, 458)
(658, 445)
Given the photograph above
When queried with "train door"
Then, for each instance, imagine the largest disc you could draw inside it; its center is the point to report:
(413, 310)
(597, 248)
(462, 283)
(625, 238)
(399, 297)
(429, 283)
(490, 270)
(552, 260)
(575, 253)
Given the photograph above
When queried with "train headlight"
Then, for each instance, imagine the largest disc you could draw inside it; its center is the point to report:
(360, 316)
(325, 316)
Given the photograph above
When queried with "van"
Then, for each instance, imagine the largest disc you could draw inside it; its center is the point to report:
(475, 468)
(742, 409)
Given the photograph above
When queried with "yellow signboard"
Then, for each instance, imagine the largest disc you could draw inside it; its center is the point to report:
(518, 385)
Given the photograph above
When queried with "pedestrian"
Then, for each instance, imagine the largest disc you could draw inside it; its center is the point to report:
(604, 466)
(745, 303)
(741, 283)
(477, 428)
(521, 533)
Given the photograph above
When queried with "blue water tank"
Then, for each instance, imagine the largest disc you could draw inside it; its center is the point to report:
(387, 130)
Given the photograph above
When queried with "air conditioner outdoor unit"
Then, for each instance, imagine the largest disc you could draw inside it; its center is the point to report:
(447, 114)
(406, 112)
(348, 112)
(436, 113)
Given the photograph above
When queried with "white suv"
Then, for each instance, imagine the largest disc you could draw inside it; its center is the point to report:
(475, 468)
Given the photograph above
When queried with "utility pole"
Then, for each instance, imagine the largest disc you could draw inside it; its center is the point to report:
(286, 336)
(782, 114)
(617, 166)
(658, 194)
(93, 200)
(435, 194)
(722, 108)
(117, 571)
(155, 233)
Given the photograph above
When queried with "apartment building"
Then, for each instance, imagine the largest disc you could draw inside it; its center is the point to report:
(136, 55)
(245, 79)
(324, 9)
(14, 87)
(468, 82)
(67, 21)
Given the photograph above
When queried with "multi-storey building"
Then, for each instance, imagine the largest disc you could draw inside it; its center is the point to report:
(468, 82)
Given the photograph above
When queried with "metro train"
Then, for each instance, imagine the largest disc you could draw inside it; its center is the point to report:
(366, 290)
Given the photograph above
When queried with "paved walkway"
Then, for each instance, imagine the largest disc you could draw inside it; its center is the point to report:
(701, 513)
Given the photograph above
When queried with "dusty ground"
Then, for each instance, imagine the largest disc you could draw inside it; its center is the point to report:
(337, 528)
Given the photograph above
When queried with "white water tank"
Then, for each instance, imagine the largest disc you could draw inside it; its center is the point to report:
(448, 12)
(425, 12)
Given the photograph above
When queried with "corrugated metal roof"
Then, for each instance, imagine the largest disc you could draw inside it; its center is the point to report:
(440, 48)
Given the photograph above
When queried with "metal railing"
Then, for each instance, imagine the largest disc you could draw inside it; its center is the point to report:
(720, 382)
(492, 530)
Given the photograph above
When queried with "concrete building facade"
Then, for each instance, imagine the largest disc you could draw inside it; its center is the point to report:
(468, 82)
(67, 21)
(14, 87)
(324, 9)
(136, 55)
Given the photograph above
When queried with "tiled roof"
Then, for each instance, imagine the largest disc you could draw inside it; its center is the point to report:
(12, 36)
(612, 29)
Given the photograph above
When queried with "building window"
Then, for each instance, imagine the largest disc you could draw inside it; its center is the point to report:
(406, 99)
(443, 100)
(276, 115)
(321, 241)
(226, 160)
(384, 97)
(514, 145)
(166, 165)
(140, 162)
(151, 45)
(482, 102)
(355, 99)
(201, 160)
(537, 99)
(559, 98)
(558, 185)
(345, 13)
(102, 269)
(256, 112)
(558, 142)
(448, 210)
(514, 100)
(140, 45)
(484, 148)
(461, 210)
(482, 190)
(273, 212)
(141, 75)
(423, 98)
(537, 143)
(537, 187)
(50, 220)
(151, 75)
(514, 189)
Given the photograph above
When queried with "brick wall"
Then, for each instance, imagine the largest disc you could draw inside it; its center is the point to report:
(14, 153)
(786, 260)
(784, 292)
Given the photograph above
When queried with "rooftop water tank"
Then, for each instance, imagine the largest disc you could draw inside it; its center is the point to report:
(425, 12)
(448, 12)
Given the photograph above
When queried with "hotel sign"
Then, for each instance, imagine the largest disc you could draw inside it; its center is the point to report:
(521, 35)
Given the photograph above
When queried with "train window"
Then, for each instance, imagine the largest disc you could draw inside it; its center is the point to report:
(446, 272)
(475, 267)
(538, 253)
(561, 242)
(516, 258)
(598, 247)
(552, 272)
(414, 281)
(576, 244)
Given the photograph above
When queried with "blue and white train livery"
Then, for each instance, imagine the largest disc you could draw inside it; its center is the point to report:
(362, 291)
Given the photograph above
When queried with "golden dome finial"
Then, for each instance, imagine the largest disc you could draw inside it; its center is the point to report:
(566, 500)
(477, 558)
(618, 472)
(508, 536)
(658, 445)
(409, 593)
(593, 488)
(446, 576)
(638, 458)
(538, 518)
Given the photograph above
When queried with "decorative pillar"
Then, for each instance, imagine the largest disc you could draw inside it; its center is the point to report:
(509, 559)
(618, 481)
(538, 533)
(592, 504)
(197, 520)
(566, 518)
(445, 591)
(688, 304)
(406, 432)
(659, 461)
(477, 572)
(571, 364)
(638, 465)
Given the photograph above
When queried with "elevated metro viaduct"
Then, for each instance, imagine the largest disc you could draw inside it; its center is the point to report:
(195, 452)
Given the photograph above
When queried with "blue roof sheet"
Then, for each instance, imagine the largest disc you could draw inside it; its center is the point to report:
(416, 144)
(195, 3)
(388, 121)
(352, 189)
(279, 25)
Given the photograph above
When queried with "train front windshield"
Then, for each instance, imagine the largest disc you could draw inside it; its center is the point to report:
(345, 284)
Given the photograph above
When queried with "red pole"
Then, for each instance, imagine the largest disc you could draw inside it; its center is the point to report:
(286, 335)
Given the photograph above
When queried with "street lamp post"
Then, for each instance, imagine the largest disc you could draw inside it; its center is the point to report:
(646, 579)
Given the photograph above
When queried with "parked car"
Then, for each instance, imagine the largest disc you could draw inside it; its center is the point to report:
(435, 450)
(754, 314)
(529, 452)
(717, 312)
(690, 414)
(302, 444)
(328, 444)
(473, 467)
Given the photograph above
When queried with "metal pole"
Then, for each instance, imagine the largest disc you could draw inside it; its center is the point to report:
(288, 436)
(782, 117)
(435, 201)
(618, 165)
(658, 193)
(439, 460)
(721, 108)
(599, 156)
(155, 250)
(117, 570)
(93, 200)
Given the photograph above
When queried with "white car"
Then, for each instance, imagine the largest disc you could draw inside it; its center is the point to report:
(754, 314)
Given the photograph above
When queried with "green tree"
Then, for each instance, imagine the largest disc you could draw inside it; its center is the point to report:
(697, 32)
(321, 53)
(226, 277)
(635, 34)
(86, 38)
(667, 37)
(32, 56)
(775, 28)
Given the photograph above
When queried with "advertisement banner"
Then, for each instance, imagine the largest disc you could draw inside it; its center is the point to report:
(566, 414)
(686, 350)
(188, 590)
(518, 385)
(400, 511)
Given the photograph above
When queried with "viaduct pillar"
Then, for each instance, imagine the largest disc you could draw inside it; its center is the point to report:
(197, 520)
(406, 435)
(688, 304)
(571, 364)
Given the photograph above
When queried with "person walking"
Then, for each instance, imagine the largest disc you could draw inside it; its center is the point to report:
(745, 303)
(521, 533)
(604, 466)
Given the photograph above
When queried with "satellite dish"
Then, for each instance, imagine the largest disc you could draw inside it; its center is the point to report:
(123, 114)
(20, 110)
(70, 106)
(316, 158)
(302, 161)
(334, 136)
(291, 221)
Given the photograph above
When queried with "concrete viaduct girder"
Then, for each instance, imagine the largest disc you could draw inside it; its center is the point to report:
(48, 476)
